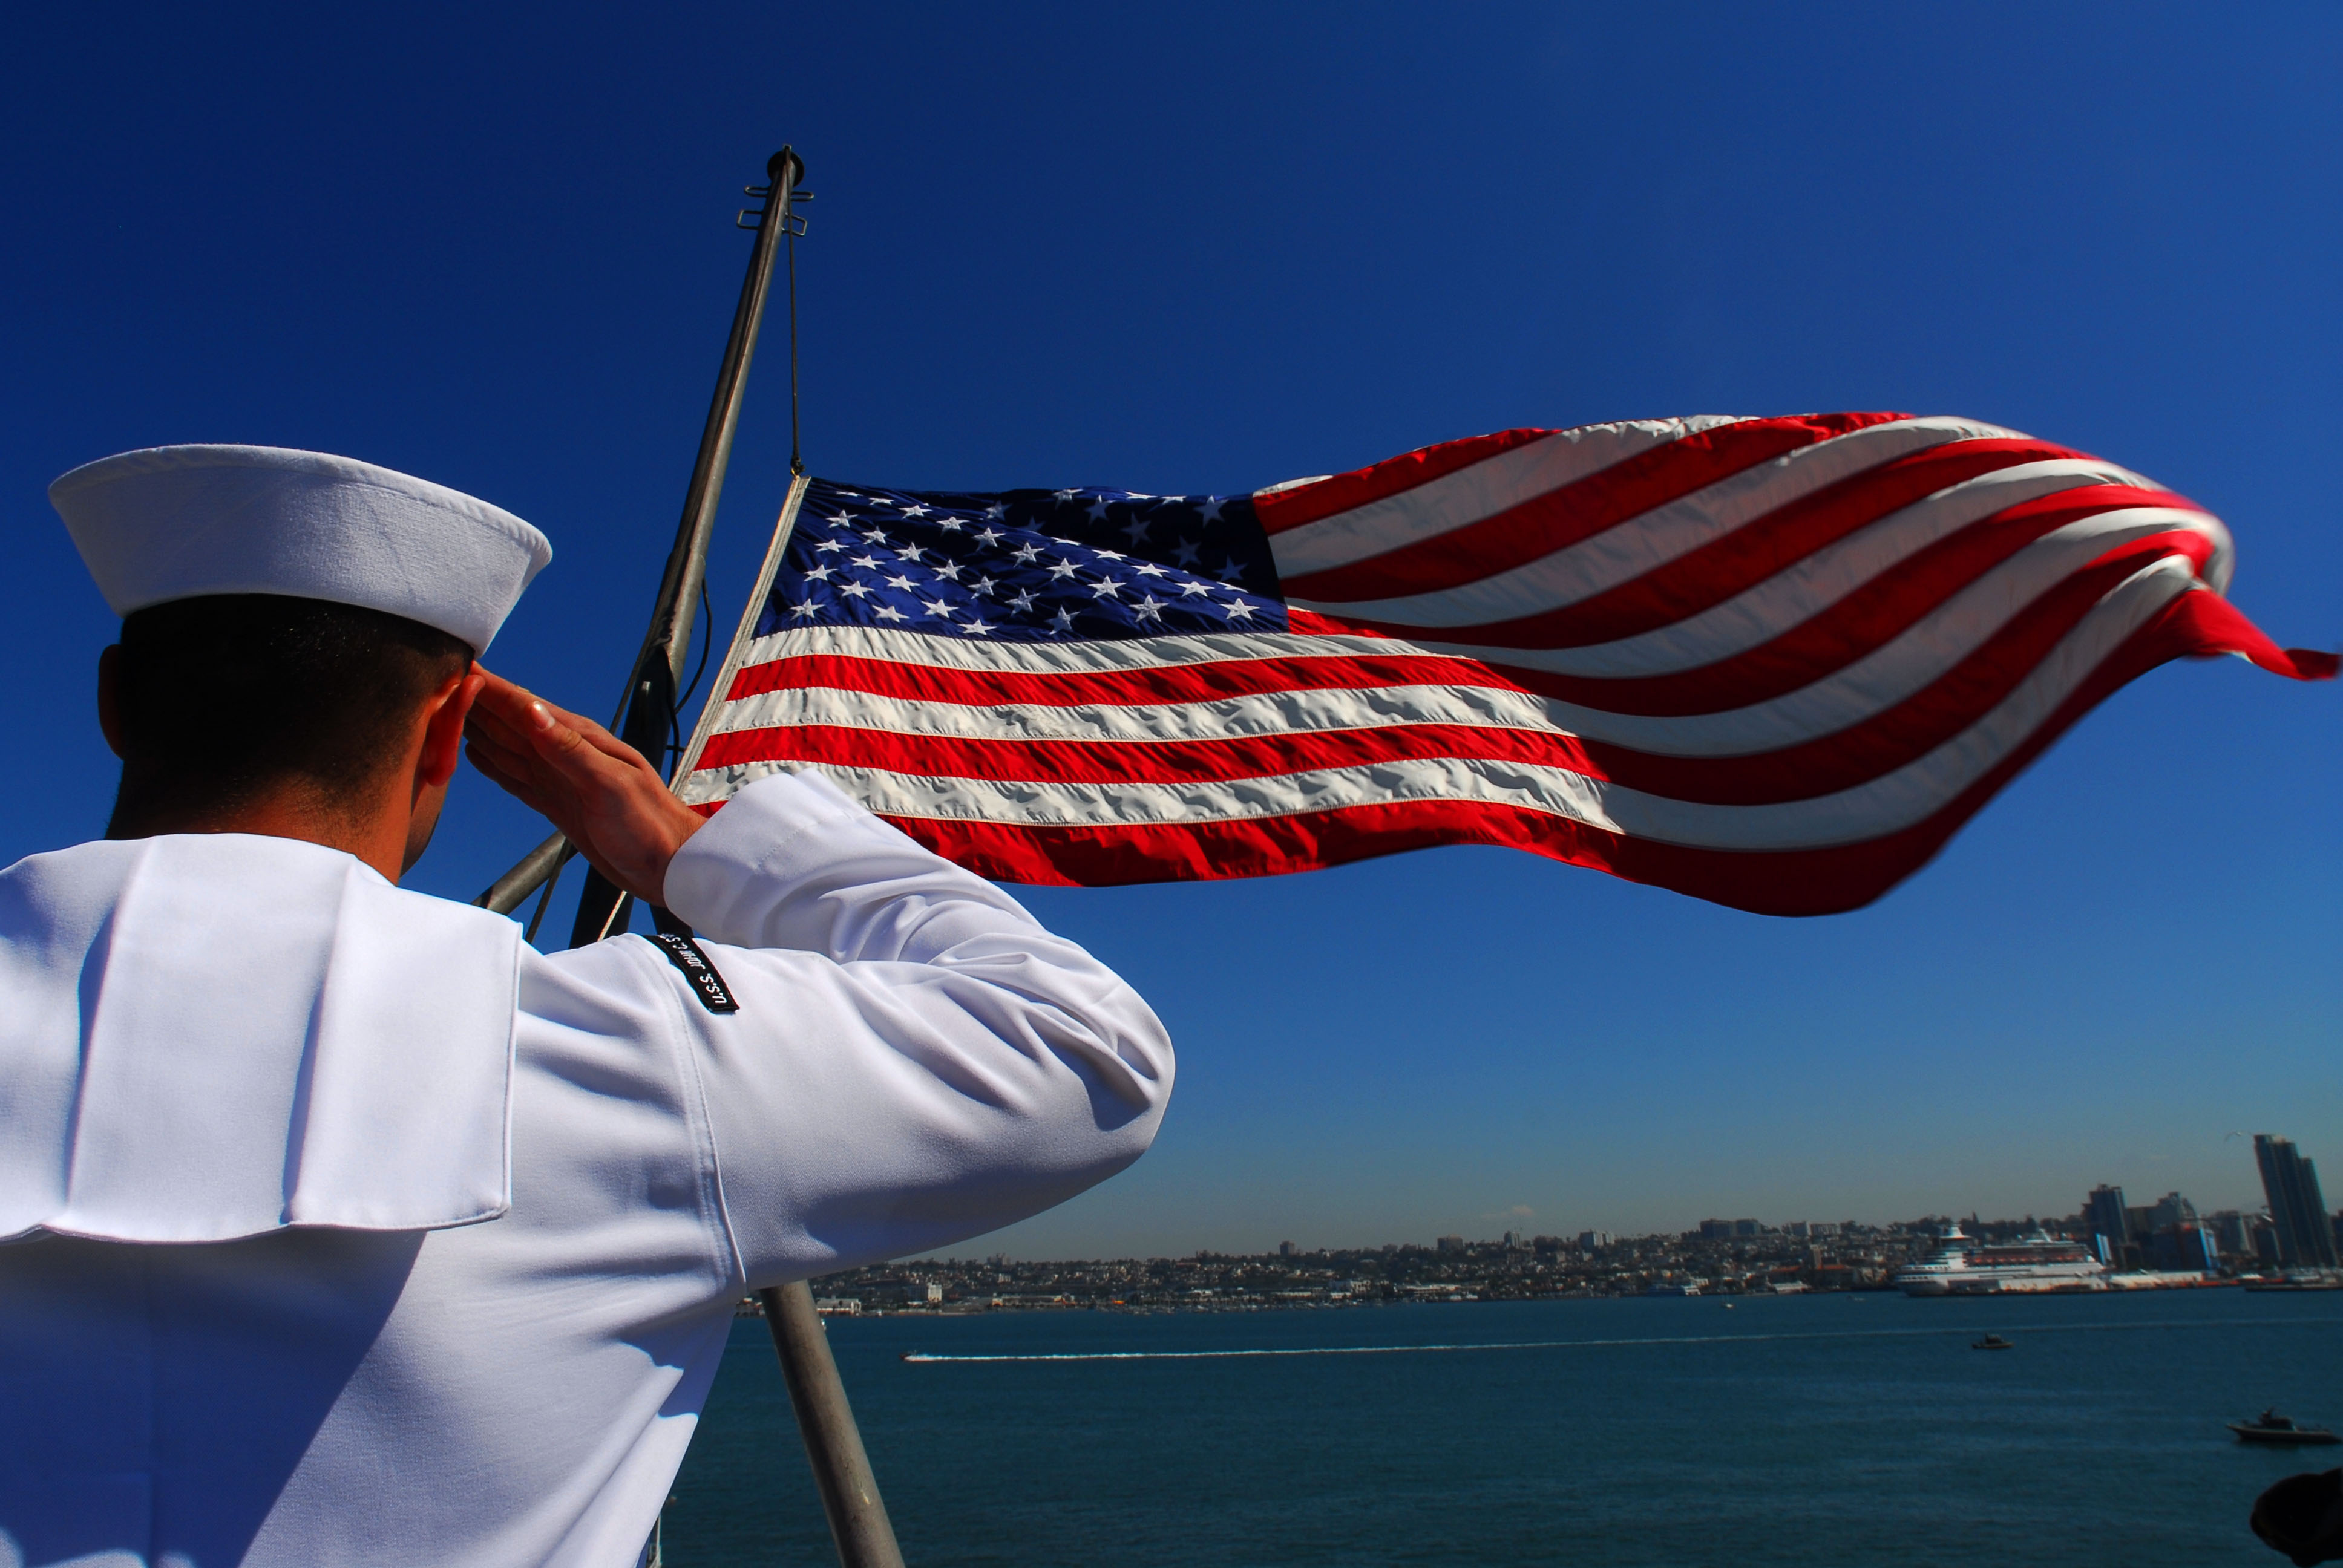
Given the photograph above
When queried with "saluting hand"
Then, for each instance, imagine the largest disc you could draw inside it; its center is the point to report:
(593, 786)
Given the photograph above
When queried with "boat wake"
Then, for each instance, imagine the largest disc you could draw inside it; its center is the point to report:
(1259, 1352)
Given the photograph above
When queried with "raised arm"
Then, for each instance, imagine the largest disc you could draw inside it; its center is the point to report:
(914, 1060)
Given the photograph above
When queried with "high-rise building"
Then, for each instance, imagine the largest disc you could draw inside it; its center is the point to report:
(2306, 1239)
(2103, 1211)
(1590, 1240)
(2171, 1209)
(1285, 1249)
(1450, 1243)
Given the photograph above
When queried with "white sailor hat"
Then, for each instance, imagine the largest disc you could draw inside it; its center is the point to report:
(177, 522)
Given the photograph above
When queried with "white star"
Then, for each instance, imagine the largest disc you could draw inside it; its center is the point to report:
(1097, 508)
(947, 570)
(1193, 587)
(1149, 608)
(1105, 588)
(937, 607)
(979, 625)
(1136, 529)
(1187, 554)
(819, 574)
(888, 612)
(1066, 495)
(876, 536)
(982, 585)
(869, 563)
(1240, 610)
(1024, 600)
(854, 590)
(1149, 570)
(1208, 509)
(1137, 496)
(989, 536)
(912, 553)
(915, 511)
(828, 545)
(1064, 619)
(995, 510)
(1110, 555)
(1028, 553)
(1063, 568)
(802, 608)
(842, 518)
(900, 583)
(949, 524)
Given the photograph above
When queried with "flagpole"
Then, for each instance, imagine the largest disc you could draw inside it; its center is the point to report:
(645, 720)
(648, 711)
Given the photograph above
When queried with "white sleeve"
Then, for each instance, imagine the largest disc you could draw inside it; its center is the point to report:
(915, 1060)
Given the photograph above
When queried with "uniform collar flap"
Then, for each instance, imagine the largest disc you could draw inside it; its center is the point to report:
(217, 1035)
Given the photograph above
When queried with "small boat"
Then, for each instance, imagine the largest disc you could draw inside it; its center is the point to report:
(1992, 1343)
(2269, 1427)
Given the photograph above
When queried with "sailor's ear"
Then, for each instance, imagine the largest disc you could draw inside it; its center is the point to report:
(443, 727)
(109, 698)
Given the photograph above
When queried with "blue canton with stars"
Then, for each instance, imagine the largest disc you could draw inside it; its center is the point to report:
(1024, 566)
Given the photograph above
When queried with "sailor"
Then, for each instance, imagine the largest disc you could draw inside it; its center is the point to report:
(345, 1227)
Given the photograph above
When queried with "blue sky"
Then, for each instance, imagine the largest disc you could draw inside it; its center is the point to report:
(1202, 248)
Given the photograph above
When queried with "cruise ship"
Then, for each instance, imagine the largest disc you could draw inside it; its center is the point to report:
(1964, 1266)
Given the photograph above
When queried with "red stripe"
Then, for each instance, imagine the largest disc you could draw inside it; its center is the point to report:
(1573, 512)
(1880, 744)
(1312, 502)
(1798, 882)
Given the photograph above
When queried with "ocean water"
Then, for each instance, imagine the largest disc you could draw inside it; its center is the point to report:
(1835, 1429)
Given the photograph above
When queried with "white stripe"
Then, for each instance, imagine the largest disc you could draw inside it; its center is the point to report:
(1636, 545)
(1883, 805)
(1103, 654)
(1222, 719)
(1895, 670)
(1470, 495)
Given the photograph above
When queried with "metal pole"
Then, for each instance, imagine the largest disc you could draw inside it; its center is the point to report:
(841, 1470)
(850, 1492)
(647, 713)
(506, 893)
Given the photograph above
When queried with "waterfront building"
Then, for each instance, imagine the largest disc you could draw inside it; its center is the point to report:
(2233, 1232)
(2306, 1237)
(2171, 1209)
(2104, 1213)
(2185, 1247)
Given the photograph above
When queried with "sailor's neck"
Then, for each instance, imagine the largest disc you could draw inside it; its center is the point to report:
(376, 834)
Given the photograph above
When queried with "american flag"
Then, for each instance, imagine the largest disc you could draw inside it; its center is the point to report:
(1773, 662)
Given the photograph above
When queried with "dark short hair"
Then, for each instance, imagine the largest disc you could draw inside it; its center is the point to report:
(222, 697)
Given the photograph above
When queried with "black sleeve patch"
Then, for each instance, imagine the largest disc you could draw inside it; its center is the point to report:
(698, 972)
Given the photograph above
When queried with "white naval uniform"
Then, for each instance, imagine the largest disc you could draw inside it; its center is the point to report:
(431, 1260)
